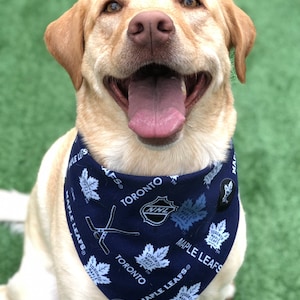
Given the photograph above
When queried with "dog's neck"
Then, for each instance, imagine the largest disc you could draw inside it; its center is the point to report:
(129, 156)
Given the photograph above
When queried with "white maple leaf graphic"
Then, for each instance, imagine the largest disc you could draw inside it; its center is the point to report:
(217, 235)
(189, 213)
(188, 294)
(151, 260)
(174, 179)
(88, 186)
(97, 272)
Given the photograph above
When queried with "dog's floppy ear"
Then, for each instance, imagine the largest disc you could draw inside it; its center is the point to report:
(65, 41)
(242, 36)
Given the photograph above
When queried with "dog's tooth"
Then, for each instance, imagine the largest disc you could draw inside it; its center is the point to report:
(183, 86)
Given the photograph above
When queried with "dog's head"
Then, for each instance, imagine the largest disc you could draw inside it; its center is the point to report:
(156, 61)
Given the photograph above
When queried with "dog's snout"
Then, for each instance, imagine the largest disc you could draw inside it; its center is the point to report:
(151, 29)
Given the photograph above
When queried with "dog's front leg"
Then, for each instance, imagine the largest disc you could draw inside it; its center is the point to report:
(35, 279)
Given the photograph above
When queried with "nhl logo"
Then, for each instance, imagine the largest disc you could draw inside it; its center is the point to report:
(157, 211)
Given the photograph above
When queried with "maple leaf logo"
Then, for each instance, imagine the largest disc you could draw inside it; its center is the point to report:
(189, 213)
(188, 294)
(88, 186)
(212, 174)
(151, 260)
(97, 272)
(217, 235)
(174, 179)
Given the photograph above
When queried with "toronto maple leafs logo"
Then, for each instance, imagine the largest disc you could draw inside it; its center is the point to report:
(212, 174)
(186, 293)
(151, 260)
(88, 186)
(97, 272)
(174, 179)
(189, 213)
(217, 235)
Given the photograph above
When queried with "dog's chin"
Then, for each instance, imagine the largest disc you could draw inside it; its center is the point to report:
(157, 101)
(161, 142)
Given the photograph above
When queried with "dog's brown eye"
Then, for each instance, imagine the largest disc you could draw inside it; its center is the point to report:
(112, 7)
(191, 3)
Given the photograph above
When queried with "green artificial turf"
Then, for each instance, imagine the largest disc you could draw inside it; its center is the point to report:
(37, 105)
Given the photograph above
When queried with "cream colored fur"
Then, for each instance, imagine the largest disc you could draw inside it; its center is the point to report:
(90, 45)
(13, 206)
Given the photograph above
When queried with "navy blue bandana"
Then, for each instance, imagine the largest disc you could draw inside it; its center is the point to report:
(141, 238)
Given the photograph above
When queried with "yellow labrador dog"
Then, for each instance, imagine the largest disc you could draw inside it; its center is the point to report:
(140, 200)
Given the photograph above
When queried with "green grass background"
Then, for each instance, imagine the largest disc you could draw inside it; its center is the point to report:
(37, 105)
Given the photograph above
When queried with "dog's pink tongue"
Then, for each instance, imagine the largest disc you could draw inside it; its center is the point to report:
(156, 106)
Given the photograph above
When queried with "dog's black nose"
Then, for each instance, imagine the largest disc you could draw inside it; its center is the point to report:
(150, 29)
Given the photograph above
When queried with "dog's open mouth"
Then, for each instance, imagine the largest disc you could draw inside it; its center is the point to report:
(157, 99)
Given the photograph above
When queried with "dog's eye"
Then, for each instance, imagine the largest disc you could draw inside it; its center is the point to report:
(191, 3)
(112, 7)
